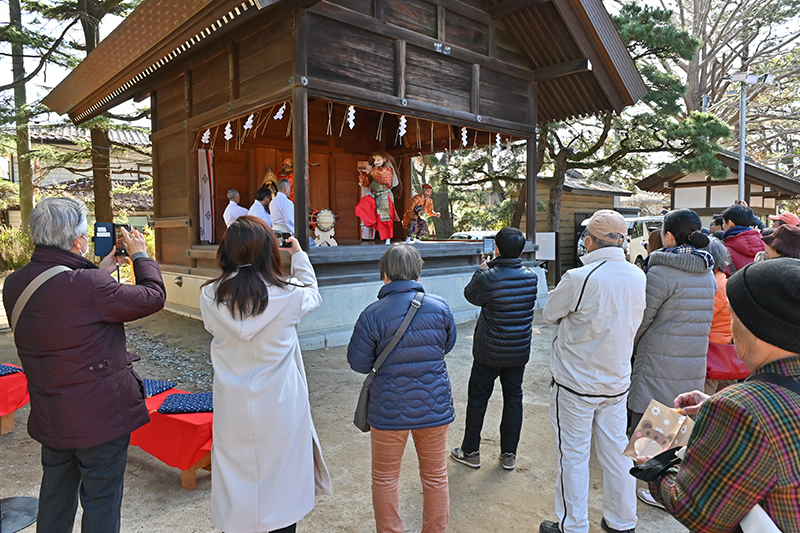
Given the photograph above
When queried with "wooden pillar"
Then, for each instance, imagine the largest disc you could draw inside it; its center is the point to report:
(530, 177)
(530, 180)
(300, 151)
(300, 158)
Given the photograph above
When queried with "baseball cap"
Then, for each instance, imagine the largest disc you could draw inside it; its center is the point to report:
(786, 240)
(605, 222)
(787, 217)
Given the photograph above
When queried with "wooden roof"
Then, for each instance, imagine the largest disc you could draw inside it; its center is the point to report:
(571, 46)
(753, 171)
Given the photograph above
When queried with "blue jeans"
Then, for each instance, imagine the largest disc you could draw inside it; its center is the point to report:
(481, 385)
(96, 474)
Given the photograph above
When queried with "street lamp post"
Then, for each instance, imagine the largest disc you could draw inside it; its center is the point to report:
(745, 79)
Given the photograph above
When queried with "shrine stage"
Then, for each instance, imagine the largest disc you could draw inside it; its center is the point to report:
(349, 280)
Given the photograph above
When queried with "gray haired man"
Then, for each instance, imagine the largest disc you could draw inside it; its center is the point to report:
(234, 210)
(598, 308)
(70, 336)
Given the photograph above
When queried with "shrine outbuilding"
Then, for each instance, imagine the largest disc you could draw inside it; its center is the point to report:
(765, 188)
(237, 88)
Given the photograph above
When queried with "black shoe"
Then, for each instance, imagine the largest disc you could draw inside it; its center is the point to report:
(609, 529)
(549, 526)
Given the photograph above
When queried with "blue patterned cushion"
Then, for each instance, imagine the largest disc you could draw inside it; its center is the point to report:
(8, 369)
(187, 403)
(154, 386)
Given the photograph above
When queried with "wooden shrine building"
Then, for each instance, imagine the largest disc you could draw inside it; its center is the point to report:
(456, 70)
(765, 188)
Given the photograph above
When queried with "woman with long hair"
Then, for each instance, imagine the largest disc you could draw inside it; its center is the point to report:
(266, 458)
(671, 344)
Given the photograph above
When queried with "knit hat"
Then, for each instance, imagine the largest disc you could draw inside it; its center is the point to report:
(766, 298)
(786, 240)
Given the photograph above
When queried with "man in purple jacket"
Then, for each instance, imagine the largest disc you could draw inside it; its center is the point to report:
(85, 397)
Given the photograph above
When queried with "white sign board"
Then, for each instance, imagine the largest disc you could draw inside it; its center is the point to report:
(547, 246)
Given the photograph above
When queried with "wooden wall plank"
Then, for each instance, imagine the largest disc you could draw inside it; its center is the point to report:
(438, 79)
(504, 96)
(353, 56)
(362, 6)
(415, 15)
(467, 33)
(211, 84)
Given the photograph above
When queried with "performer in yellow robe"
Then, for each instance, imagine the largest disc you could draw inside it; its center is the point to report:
(415, 226)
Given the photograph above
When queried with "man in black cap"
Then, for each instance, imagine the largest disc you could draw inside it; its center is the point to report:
(745, 446)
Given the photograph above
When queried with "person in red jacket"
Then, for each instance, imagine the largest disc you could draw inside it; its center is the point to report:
(743, 242)
(85, 397)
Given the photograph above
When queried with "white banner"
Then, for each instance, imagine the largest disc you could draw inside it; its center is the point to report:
(205, 174)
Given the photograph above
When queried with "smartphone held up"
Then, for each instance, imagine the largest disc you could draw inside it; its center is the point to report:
(106, 236)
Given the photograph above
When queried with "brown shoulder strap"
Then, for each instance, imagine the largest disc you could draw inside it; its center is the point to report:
(37, 282)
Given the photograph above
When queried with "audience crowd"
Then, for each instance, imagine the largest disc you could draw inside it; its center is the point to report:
(624, 336)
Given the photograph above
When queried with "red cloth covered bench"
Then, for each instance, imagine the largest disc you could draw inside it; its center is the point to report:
(13, 395)
(181, 441)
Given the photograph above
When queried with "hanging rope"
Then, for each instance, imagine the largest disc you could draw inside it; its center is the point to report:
(379, 135)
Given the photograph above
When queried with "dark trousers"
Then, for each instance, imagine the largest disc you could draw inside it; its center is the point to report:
(96, 474)
(481, 385)
(287, 529)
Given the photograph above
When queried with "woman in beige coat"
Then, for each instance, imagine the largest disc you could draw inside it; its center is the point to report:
(266, 460)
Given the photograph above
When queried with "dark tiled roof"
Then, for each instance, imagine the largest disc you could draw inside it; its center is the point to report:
(71, 134)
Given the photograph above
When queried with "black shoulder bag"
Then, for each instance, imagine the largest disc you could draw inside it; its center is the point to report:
(360, 418)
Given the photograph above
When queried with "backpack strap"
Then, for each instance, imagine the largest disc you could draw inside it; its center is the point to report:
(777, 379)
(37, 282)
(412, 310)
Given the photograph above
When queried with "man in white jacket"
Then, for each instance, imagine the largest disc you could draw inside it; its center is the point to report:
(598, 308)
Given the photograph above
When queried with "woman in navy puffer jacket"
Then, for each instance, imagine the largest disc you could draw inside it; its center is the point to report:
(411, 391)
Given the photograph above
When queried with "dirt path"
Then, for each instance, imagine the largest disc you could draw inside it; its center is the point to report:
(485, 500)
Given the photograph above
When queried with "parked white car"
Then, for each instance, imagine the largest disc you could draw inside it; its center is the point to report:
(472, 235)
(639, 229)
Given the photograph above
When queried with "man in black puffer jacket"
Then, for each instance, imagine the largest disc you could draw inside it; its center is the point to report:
(506, 292)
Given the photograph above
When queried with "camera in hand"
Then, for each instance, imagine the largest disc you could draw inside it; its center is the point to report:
(283, 237)
(106, 236)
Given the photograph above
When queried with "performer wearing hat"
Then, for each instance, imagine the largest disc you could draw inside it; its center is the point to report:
(376, 207)
(415, 226)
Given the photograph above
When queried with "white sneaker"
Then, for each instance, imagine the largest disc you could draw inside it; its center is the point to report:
(646, 497)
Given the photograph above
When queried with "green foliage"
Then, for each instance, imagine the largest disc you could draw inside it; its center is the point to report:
(9, 194)
(15, 248)
(491, 217)
(649, 33)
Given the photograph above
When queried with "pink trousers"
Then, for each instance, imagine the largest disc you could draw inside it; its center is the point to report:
(387, 454)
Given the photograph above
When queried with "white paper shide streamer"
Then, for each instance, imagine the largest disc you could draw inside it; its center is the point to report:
(206, 138)
(402, 129)
(497, 141)
(228, 132)
(281, 111)
(463, 136)
(248, 125)
(351, 117)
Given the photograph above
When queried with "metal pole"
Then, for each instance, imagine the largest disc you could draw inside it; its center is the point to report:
(742, 136)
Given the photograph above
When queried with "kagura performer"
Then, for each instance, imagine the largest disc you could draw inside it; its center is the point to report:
(376, 209)
(415, 226)
(287, 172)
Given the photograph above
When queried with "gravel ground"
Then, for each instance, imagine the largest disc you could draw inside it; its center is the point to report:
(489, 499)
(162, 358)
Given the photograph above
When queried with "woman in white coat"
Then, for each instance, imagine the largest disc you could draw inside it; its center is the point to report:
(266, 460)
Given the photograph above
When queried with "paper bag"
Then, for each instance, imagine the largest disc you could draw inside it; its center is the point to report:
(660, 429)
